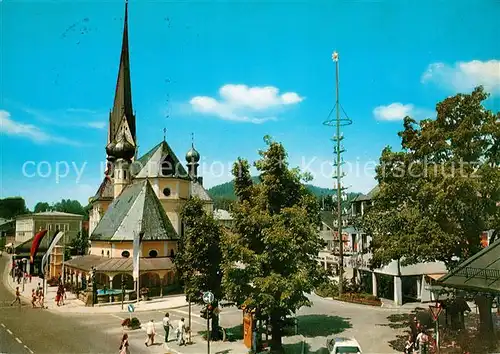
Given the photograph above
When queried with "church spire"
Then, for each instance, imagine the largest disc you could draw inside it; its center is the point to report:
(122, 105)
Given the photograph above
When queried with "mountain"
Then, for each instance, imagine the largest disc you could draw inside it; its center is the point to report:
(223, 194)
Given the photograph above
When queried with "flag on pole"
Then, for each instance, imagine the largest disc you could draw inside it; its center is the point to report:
(36, 244)
(137, 252)
(54, 242)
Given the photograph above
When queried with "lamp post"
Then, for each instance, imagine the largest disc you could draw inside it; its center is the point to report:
(123, 290)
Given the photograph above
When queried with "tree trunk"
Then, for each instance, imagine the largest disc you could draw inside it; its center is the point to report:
(276, 323)
(484, 304)
(214, 333)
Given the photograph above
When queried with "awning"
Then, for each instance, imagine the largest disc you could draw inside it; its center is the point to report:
(436, 276)
(9, 245)
(119, 265)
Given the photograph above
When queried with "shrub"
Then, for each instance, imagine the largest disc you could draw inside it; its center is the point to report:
(135, 323)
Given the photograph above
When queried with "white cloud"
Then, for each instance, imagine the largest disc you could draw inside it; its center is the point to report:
(30, 131)
(71, 117)
(241, 103)
(394, 111)
(464, 76)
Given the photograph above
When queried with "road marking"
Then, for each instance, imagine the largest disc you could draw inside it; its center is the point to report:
(186, 313)
(19, 341)
(28, 349)
(2, 325)
(115, 316)
(10, 332)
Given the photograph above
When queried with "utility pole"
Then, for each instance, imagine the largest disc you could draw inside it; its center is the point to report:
(338, 122)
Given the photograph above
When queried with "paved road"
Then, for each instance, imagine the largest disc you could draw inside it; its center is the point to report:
(26, 330)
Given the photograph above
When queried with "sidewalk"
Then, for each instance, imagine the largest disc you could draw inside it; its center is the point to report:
(74, 305)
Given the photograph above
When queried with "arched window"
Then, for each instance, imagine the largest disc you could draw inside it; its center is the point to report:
(171, 253)
(125, 254)
(107, 253)
(153, 253)
(102, 253)
(124, 174)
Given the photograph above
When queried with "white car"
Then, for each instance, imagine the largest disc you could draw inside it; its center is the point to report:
(343, 345)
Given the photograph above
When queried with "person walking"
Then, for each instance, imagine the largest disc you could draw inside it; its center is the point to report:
(150, 331)
(124, 345)
(33, 298)
(166, 325)
(423, 342)
(181, 329)
(18, 297)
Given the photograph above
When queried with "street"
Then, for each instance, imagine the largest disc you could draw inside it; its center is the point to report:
(27, 330)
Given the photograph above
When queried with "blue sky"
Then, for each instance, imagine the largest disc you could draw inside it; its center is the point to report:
(230, 73)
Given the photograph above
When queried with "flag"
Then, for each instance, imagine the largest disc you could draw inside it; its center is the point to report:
(54, 242)
(36, 244)
(137, 252)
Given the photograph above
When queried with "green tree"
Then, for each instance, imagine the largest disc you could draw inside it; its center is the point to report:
(441, 191)
(269, 258)
(12, 206)
(199, 256)
(69, 206)
(41, 207)
(80, 244)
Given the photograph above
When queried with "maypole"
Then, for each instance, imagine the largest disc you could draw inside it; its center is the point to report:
(338, 122)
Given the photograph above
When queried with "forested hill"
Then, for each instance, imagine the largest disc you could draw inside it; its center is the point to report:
(223, 194)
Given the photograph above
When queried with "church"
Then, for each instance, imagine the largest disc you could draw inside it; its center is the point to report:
(138, 195)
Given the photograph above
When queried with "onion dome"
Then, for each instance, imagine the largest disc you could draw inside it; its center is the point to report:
(123, 149)
(109, 151)
(192, 155)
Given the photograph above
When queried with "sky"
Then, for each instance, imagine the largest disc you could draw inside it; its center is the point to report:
(229, 73)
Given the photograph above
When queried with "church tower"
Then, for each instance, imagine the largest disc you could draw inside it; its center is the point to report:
(121, 147)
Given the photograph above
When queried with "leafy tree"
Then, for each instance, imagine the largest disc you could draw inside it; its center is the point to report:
(269, 258)
(12, 206)
(69, 206)
(199, 256)
(441, 191)
(223, 203)
(41, 207)
(80, 244)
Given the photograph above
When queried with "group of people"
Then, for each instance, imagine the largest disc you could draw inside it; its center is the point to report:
(18, 274)
(181, 331)
(419, 341)
(37, 297)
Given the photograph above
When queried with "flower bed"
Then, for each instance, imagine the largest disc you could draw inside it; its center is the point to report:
(360, 298)
(133, 323)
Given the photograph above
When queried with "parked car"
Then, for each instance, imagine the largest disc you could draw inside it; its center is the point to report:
(342, 345)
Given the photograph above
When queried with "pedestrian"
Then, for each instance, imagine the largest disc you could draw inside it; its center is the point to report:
(40, 299)
(423, 342)
(30, 277)
(150, 331)
(33, 298)
(18, 297)
(38, 289)
(124, 345)
(409, 347)
(181, 329)
(166, 325)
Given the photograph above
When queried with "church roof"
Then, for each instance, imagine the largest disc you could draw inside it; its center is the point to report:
(197, 190)
(105, 190)
(136, 208)
(150, 165)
